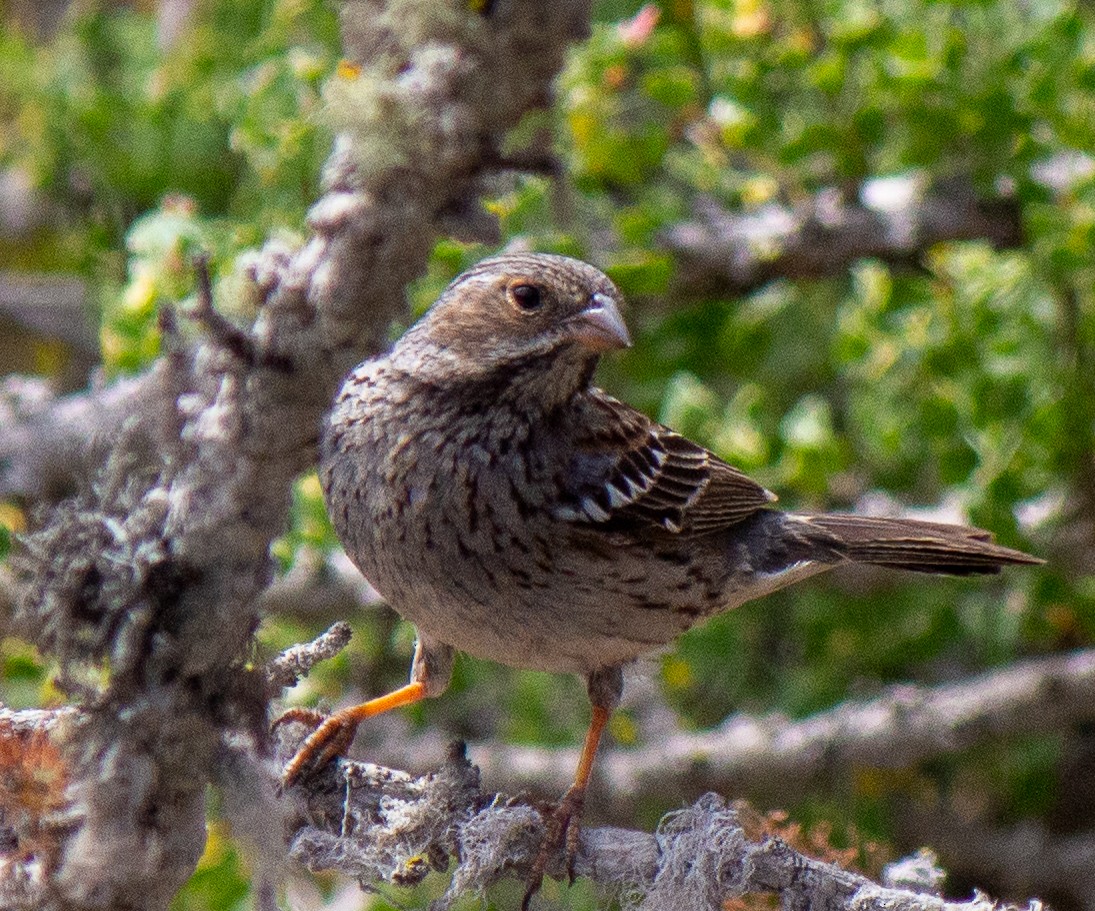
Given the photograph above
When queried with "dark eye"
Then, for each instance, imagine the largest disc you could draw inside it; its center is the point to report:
(527, 297)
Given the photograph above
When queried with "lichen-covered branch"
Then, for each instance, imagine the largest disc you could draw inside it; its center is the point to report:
(155, 568)
(382, 825)
(295, 662)
(50, 447)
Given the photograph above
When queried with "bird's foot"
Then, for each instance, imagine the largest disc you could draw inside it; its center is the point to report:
(335, 732)
(332, 735)
(564, 827)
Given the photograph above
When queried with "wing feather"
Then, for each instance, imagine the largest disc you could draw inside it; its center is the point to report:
(629, 471)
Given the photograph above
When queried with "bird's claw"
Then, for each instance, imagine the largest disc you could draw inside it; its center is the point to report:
(332, 735)
(310, 717)
(563, 830)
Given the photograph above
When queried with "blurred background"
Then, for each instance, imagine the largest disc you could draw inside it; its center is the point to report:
(856, 239)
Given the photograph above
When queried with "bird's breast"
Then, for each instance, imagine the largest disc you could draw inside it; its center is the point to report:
(450, 516)
(425, 499)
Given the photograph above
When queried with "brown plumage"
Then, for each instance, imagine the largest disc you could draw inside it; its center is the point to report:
(511, 510)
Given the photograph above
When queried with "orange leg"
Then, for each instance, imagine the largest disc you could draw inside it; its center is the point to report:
(565, 824)
(430, 673)
(576, 793)
(336, 732)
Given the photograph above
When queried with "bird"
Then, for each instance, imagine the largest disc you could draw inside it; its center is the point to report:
(512, 510)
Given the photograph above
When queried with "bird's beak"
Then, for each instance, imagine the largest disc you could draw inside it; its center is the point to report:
(599, 327)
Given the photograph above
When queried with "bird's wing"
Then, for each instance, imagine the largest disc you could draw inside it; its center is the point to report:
(627, 470)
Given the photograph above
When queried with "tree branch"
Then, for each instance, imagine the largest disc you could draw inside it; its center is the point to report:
(775, 758)
(53, 305)
(894, 220)
(753, 756)
(51, 447)
(154, 571)
(294, 663)
(382, 825)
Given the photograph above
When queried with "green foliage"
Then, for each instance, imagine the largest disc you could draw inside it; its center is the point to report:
(310, 527)
(221, 882)
(109, 122)
(24, 677)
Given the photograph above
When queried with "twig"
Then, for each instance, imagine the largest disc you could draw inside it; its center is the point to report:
(228, 335)
(295, 662)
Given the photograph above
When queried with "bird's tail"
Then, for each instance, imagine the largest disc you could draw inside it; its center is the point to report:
(924, 547)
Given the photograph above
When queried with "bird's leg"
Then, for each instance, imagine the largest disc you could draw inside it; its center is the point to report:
(430, 675)
(564, 825)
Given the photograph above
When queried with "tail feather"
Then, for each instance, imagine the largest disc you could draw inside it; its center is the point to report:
(925, 547)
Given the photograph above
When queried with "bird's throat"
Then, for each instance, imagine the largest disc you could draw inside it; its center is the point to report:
(547, 382)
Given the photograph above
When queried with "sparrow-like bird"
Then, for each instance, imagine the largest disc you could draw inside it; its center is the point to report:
(511, 510)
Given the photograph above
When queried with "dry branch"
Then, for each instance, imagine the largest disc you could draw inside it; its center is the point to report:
(294, 663)
(773, 754)
(729, 253)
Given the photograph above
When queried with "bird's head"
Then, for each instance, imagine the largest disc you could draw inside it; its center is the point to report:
(521, 317)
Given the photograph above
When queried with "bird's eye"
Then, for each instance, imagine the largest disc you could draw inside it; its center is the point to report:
(527, 297)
